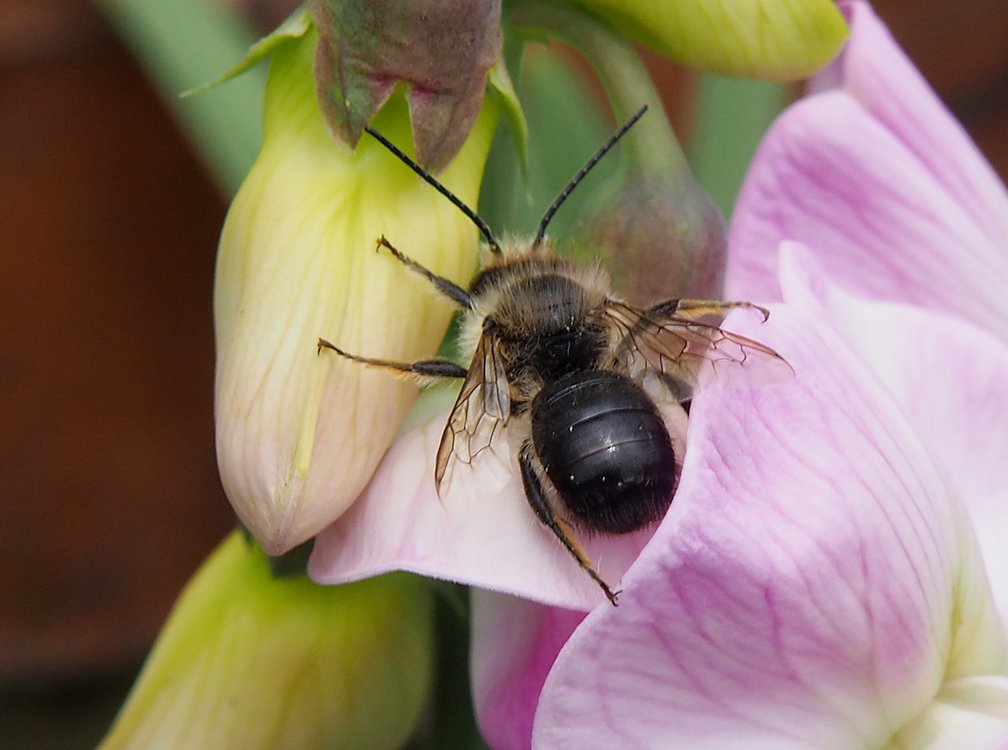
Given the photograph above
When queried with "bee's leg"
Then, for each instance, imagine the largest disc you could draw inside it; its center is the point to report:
(450, 289)
(699, 308)
(537, 499)
(424, 369)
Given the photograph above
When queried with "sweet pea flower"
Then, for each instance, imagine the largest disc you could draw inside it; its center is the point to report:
(249, 661)
(298, 435)
(831, 573)
(816, 584)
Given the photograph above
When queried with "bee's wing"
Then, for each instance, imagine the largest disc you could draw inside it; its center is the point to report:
(483, 404)
(686, 353)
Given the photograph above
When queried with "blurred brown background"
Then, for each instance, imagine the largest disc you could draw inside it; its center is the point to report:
(108, 230)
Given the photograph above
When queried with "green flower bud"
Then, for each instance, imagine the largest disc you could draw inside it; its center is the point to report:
(662, 237)
(656, 230)
(248, 661)
(776, 41)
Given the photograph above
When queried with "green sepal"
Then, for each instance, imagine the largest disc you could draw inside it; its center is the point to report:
(499, 82)
(295, 27)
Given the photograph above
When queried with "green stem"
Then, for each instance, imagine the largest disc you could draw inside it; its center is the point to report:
(732, 116)
(652, 144)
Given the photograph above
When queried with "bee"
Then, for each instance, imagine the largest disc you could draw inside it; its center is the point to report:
(573, 374)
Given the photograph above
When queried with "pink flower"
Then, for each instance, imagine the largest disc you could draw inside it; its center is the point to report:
(815, 585)
(896, 203)
(832, 571)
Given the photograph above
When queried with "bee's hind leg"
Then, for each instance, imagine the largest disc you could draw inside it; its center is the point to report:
(537, 499)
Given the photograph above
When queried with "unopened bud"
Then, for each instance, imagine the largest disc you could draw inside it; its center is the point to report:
(441, 51)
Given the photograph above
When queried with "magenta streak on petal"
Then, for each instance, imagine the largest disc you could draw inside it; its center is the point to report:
(951, 380)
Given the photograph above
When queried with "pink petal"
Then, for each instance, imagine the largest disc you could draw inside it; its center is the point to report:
(482, 532)
(514, 644)
(833, 178)
(885, 82)
(804, 589)
(883, 185)
(951, 381)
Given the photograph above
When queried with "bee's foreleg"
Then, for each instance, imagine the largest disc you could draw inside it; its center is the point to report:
(426, 369)
(450, 289)
(537, 499)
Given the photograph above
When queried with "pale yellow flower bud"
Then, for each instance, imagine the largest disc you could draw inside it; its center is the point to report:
(299, 435)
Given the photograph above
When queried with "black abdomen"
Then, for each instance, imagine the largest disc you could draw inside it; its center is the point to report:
(606, 449)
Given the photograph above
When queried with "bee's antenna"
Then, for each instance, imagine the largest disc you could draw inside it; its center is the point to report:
(430, 179)
(569, 188)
